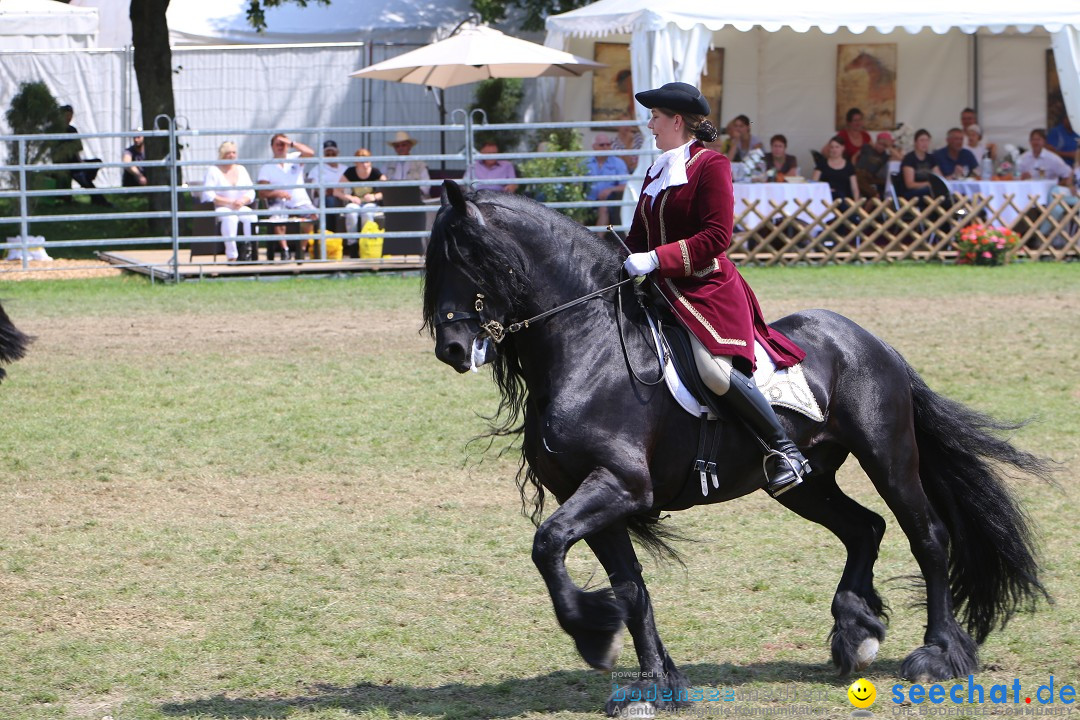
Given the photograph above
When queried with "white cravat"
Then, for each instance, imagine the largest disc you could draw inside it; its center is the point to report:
(672, 168)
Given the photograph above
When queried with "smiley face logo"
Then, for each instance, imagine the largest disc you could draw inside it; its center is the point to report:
(862, 693)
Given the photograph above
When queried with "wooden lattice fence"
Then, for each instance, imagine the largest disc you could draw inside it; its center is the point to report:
(873, 230)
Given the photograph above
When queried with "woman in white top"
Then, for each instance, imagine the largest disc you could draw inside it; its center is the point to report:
(233, 205)
(974, 143)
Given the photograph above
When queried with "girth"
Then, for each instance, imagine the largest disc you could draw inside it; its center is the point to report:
(678, 346)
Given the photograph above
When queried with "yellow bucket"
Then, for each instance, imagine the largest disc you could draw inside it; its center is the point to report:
(370, 247)
(333, 247)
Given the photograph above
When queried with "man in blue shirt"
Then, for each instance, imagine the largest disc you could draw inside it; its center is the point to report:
(954, 160)
(605, 189)
(1062, 140)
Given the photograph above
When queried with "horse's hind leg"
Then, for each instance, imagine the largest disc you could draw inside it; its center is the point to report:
(856, 607)
(660, 682)
(948, 651)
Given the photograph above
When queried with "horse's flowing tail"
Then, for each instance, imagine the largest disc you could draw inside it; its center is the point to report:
(12, 341)
(993, 572)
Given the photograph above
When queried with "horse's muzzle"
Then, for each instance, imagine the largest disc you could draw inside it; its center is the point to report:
(454, 346)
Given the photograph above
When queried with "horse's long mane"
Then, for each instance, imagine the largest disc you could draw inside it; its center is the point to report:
(489, 253)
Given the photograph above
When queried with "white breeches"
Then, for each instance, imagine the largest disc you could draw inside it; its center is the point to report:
(356, 213)
(230, 221)
(715, 369)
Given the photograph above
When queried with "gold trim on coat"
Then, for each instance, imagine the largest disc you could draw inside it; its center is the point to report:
(701, 318)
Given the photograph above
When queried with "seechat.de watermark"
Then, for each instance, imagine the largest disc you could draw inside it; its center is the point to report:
(1047, 698)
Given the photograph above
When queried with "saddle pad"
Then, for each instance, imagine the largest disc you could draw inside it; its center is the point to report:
(783, 388)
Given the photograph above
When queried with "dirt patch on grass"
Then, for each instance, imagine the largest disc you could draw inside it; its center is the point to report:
(256, 333)
(13, 270)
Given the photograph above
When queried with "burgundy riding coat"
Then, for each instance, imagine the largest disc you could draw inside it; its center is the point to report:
(689, 227)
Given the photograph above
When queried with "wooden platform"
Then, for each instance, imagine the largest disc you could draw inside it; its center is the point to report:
(158, 265)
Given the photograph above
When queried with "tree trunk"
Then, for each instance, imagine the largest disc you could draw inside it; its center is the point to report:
(153, 72)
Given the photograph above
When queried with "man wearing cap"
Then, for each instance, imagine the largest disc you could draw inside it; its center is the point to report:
(416, 170)
(872, 165)
(680, 234)
(325, 174)
(287, 201)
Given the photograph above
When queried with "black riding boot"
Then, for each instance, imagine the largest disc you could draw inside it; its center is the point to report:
(785, 466)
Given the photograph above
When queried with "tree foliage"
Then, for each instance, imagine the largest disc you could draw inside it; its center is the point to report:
(534, 11)
(33, 111)
(562, 140)
(500, 99)
(256, 15)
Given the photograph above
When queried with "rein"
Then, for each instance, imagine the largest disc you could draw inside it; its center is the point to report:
(497, 332)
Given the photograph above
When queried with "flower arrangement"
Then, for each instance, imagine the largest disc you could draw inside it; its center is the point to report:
(985, 245)
(1010, 157)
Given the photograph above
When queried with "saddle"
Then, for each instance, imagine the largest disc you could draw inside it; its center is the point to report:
(782, 388)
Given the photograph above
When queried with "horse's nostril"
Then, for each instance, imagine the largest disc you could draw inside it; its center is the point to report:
(452, 353)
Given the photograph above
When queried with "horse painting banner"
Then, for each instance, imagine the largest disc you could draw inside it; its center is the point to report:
(866, 79)
(712, 83)
(613, 86)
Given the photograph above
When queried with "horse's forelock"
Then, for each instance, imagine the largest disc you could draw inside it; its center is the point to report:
(482, 249)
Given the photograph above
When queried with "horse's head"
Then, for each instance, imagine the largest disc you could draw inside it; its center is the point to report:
(475, 278)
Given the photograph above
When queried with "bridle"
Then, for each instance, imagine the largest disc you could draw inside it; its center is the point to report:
(497, 331)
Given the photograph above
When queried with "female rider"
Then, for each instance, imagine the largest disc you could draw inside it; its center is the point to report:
(682, 228)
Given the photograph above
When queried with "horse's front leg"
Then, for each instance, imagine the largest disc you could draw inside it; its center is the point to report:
(594, 619)
(660, 682)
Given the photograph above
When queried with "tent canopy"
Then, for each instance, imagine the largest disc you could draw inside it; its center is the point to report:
(45, 24)
(224, 22)
(629, 16)
(669, 42)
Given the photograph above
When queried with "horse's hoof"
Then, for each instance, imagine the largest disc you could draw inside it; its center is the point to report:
(638, 710)
(866, 653)
(600, 650)
(935, 663)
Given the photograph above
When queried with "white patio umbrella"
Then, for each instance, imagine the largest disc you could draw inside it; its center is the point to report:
(477, 53)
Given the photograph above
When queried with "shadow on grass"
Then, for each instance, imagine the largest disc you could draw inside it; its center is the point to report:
(561, 691)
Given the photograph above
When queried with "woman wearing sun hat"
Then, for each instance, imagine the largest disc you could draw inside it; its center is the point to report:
(416, 170)
(680, 235)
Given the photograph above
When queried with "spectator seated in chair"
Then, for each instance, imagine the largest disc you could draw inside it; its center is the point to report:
(872, 165)
(780, 165)
(488, 170)
(916, 168)
(133, 155)
(605, 189)
(70, 151)
(288, 204)
(323, 174)
(361, 201)
(233, 206)
(954, 161)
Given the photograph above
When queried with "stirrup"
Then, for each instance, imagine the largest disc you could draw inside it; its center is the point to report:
(780, 485)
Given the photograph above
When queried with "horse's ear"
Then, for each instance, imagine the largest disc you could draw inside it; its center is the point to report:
(452, 195)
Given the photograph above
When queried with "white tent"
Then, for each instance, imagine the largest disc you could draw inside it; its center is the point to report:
(46, 25)
(781, 56)
(224, 22)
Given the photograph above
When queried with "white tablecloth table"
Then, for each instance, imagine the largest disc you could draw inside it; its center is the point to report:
(768, 194)
(999, 191)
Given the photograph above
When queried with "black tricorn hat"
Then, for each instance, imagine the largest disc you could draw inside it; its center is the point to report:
(677, 96)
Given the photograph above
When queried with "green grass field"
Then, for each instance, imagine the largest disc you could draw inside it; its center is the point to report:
(255, 500)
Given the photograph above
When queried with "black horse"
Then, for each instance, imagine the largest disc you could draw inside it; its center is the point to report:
(12, 342)
(616, 451)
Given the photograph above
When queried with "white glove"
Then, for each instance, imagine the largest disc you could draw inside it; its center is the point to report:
(641, 263)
